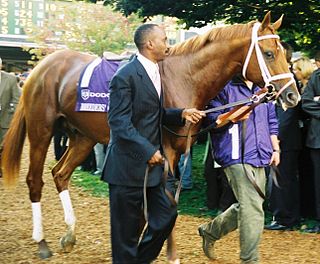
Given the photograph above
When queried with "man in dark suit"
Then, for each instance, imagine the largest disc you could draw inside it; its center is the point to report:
(311, 105)
(285, 201)
(9, 98)
(135, 114)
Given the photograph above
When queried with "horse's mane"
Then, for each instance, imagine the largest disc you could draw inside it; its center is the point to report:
(222, 33)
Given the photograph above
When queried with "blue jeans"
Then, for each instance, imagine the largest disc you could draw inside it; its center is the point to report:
(186, 175)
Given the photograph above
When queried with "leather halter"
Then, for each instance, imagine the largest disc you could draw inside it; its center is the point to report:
(267, 77)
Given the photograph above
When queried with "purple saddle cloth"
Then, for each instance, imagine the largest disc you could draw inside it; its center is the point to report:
(93, 87)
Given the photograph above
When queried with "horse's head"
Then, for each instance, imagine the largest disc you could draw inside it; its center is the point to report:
(266, 63)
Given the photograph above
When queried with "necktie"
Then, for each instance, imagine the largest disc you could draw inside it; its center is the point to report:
(157, 81)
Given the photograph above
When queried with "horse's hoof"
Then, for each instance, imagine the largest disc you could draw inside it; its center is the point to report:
(176, 261)
(44, 251)
(67, 243)
(45, 254)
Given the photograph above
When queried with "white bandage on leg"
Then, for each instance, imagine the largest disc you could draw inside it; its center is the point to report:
(69, 217)
(37, 234)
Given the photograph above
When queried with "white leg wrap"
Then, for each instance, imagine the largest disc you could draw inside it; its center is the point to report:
(37, 234)
(69, 217)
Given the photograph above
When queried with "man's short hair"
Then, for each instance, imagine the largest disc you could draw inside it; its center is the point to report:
(141, 33)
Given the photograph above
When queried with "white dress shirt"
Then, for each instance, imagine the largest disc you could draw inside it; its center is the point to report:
(152, 70)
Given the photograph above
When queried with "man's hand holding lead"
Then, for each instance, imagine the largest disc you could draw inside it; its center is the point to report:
(193, 115)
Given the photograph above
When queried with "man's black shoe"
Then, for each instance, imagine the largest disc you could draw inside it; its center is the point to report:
(277, 227)
(315, 229)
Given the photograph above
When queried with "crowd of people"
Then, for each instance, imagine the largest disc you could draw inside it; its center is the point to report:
(237, 153)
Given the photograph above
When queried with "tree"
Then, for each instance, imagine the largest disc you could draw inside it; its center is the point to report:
(300, 26)
(84, 27)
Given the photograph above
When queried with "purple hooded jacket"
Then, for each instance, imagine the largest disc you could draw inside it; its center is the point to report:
(262, 123)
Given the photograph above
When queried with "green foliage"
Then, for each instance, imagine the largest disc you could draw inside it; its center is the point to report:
(300, 25)
(84, 27)
(192, 202)
(90, 183)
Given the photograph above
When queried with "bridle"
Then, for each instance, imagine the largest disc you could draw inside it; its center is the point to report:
(267, 77)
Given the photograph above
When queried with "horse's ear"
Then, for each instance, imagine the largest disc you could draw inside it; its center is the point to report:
(278, 23)
(266, 21)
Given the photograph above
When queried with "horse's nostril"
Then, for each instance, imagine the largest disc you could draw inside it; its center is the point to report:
(292, 98)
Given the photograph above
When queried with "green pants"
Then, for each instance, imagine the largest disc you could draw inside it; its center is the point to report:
(247, 214)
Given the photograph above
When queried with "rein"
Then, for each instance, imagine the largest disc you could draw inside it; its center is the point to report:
(234, 115)
(186, 159)
(254, 100)
(274, 171)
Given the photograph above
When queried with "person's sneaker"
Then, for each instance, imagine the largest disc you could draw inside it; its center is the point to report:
(97, 173)
(315, 229)
(207, 244)
(278, 227)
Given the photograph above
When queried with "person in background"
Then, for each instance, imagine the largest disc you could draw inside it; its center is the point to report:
(135, 116)
(285, 198)
(100, 153)
(187, 183)
(9, 98)
(219, 193)
(303, 68)
(60, 143)
(23, 77)
(311, 105)
(243, 149)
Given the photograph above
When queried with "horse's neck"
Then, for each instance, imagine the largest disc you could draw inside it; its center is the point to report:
(192, 80)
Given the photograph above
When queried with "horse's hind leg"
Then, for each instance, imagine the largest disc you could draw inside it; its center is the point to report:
(78, 150)
(38, 149)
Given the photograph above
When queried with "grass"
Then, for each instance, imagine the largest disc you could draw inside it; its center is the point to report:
(90, 183)
(192, 202)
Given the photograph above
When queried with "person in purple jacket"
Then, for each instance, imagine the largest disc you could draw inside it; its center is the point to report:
(243, 149)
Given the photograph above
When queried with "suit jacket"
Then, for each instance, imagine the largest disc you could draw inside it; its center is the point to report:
(289, 129)
(312, 108)
(9, 98)
(135, 117)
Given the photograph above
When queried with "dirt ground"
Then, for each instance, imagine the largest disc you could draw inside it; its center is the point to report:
(93, 242)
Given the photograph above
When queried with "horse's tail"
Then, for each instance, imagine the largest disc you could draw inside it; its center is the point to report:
(13, 146)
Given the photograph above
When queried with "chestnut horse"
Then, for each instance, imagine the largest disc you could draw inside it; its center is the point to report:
(193, 73)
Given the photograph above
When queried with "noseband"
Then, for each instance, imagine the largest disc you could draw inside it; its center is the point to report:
(267, 77)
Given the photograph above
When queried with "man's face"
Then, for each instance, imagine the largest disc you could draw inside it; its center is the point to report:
(159, 40)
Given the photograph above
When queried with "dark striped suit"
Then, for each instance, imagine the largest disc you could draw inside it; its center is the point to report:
(135, 118)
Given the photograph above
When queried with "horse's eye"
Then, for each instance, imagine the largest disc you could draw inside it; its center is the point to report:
(269, 55)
